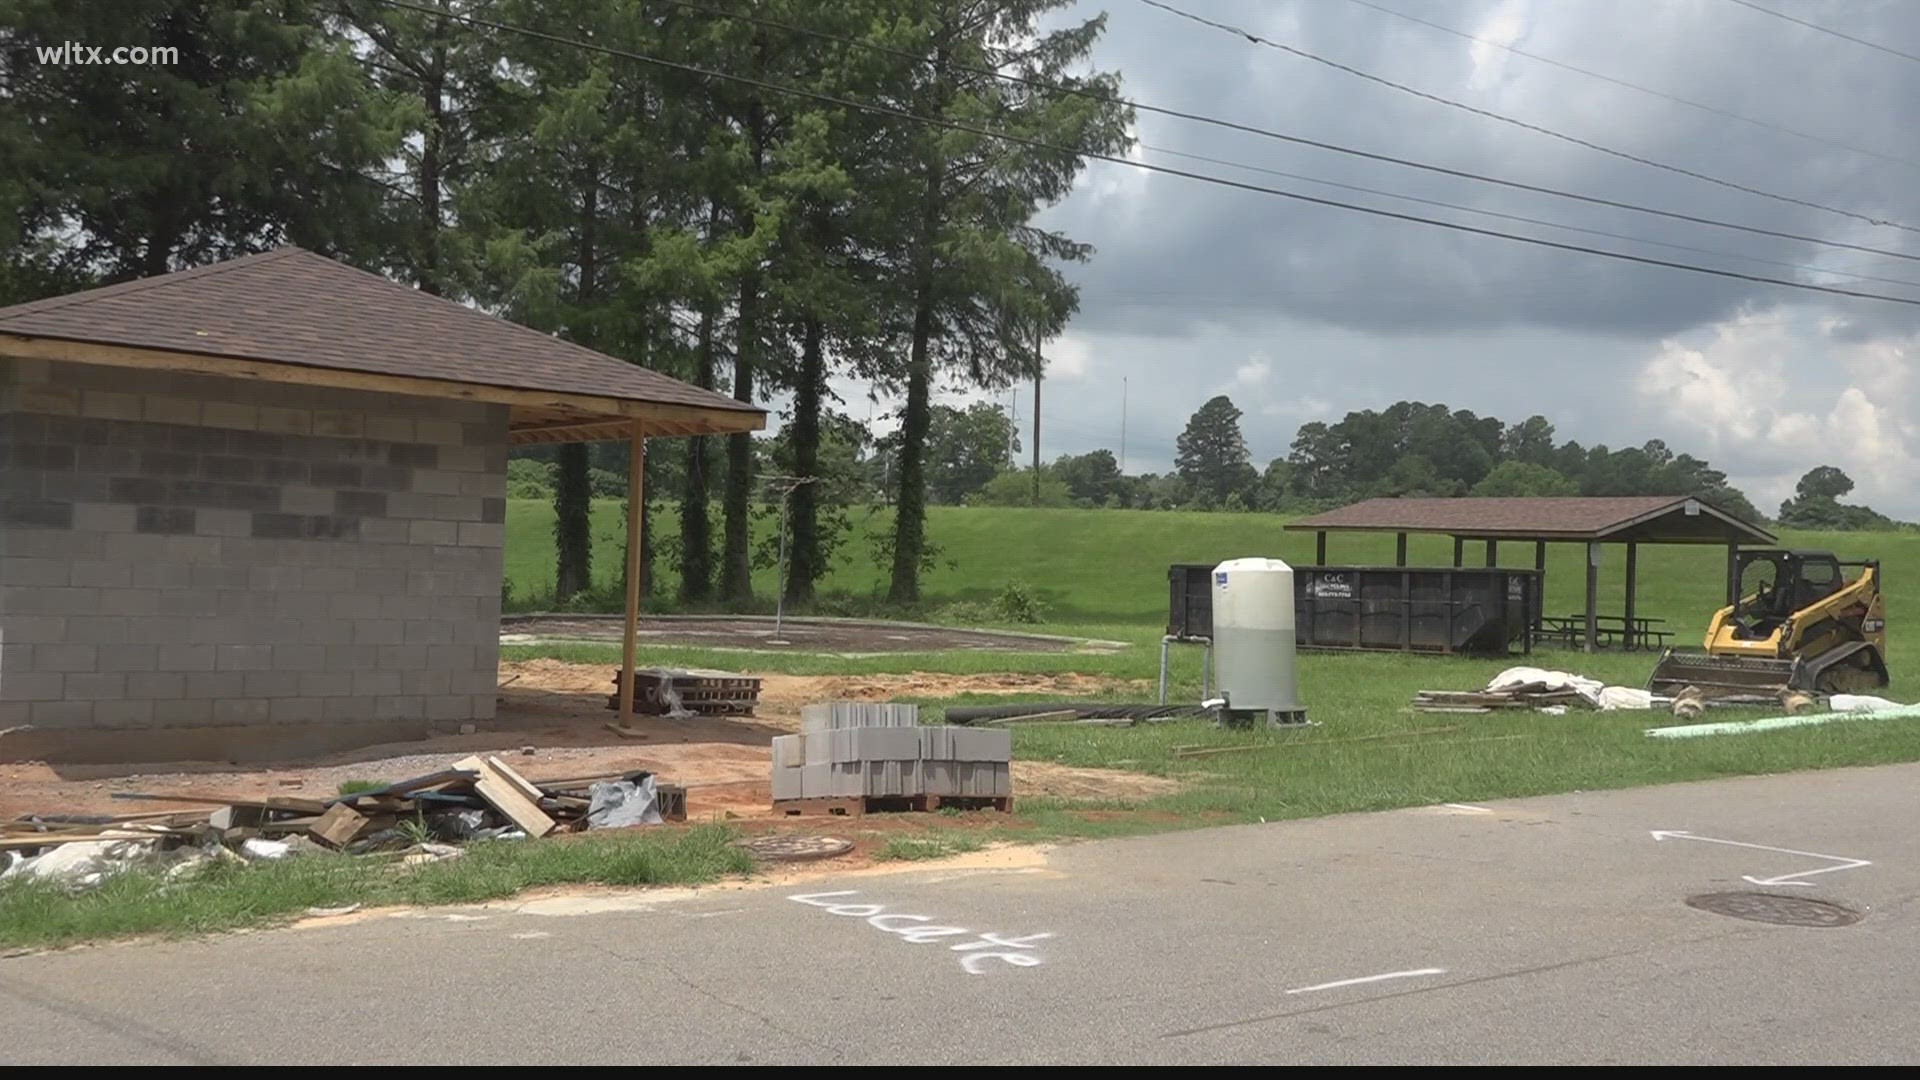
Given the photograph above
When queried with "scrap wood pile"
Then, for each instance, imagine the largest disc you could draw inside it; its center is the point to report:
(1555, 691)
(1484, 701)
(1534, 688)
(475, 798)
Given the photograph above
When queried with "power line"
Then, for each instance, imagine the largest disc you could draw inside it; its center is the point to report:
(1825, 30)
(1663, 95)
(1231, 125)
(1037, 144)
(1527, 220)
(1549, 132)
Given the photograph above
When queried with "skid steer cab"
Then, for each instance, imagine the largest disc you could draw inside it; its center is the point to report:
(1800, 623)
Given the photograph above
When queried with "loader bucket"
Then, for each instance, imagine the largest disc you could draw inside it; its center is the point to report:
(1723, 675)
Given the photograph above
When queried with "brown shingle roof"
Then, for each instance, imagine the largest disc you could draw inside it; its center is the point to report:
(1654, 518)
(291, 306)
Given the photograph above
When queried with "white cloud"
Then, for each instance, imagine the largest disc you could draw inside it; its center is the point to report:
(1070, 356)
(1769, 396)
(1255, 372)
(1504, 27)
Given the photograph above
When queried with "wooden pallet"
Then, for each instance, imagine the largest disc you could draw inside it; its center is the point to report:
(704, 693)
(857, 805)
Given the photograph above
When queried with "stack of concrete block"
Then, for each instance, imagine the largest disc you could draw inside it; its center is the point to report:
(855, 749)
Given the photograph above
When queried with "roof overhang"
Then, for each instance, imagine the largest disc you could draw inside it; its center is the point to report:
(535, 416)
(1681, 521)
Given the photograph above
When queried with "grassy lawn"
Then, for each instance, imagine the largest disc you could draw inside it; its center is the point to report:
(1102, 574)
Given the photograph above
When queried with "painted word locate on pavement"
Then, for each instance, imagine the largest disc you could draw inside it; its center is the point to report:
(979, 955)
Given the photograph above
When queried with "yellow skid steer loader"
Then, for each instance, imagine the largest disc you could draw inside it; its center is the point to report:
(1799, 624)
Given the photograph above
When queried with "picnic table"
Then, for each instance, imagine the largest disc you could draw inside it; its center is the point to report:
(1610, 631)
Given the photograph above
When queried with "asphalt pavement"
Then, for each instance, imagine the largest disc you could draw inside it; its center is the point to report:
(1553, 930)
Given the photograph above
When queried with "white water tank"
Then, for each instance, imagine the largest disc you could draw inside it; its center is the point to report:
(1253, 641)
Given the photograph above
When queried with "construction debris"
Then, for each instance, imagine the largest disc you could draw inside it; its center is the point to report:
(618, 804)
(1538, 689)
(679, 692)
(478, 797)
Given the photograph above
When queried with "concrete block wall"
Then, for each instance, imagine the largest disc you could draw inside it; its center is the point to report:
(192, 551)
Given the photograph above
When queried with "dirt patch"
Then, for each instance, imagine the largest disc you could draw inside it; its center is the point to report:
(558, 710)
(797, 635)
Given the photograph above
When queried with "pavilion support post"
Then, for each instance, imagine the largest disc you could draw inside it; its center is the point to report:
(1459, 552)
(636, 499)
(1733, 573)
(1633, 559)
(1593, 598)
(1539, 583)
(1320, 548)
(1493, 553)
(1400, 549)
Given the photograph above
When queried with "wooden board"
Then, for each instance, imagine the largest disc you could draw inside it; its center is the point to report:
(339, 826)
(271, 802)
(505, 796)
(520, 783)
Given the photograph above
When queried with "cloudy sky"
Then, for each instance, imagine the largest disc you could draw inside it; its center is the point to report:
(1302, 312)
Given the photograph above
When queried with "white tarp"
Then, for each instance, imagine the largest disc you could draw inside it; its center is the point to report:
(1592, 691)
(1861, 703)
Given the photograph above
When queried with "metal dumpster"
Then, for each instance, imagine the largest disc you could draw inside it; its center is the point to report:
(1484, 611)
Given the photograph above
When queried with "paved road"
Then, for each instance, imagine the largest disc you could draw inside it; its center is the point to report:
(1547, 930)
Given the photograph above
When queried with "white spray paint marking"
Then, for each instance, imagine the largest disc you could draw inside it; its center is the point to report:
(1368, 979)
(1471, 809)
(464, 918)
(1840, 862)
(913, 929)
(714, 914)
(531, 935)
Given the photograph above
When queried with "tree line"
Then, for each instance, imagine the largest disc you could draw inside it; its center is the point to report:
(735, 234)
(1408, 449)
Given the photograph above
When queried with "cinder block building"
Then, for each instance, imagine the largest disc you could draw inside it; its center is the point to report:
(257, 507)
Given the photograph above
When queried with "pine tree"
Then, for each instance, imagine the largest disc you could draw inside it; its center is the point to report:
(982, 289)
(255, 135)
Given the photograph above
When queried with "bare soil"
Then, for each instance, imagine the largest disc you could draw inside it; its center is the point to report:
(558, 712)
(800, 635)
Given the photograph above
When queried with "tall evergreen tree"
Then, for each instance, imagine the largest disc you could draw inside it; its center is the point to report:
(256, 133)
(981, 287)
(1211, 453)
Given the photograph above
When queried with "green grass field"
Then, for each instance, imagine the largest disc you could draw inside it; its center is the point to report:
(1109, 566)
(1103, 574)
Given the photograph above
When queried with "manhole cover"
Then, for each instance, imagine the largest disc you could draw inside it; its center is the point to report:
(794, 848)
(1772, 908)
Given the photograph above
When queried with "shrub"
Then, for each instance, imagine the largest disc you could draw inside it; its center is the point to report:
(1018, 602)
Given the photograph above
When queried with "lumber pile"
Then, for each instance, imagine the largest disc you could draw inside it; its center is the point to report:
(678, 692)
(474, 798)
(1533, 696)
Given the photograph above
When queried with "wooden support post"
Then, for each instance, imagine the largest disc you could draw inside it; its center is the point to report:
(1320, 548)
(1539, 585)
(636, 499)
(1493, 553)
(1733, 574)
(1459, 552)
(1400, 549)
(1633, 557)
(1593, 597)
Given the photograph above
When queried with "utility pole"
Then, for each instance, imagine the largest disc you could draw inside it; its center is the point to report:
(1123, 425)
(1039, 369)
